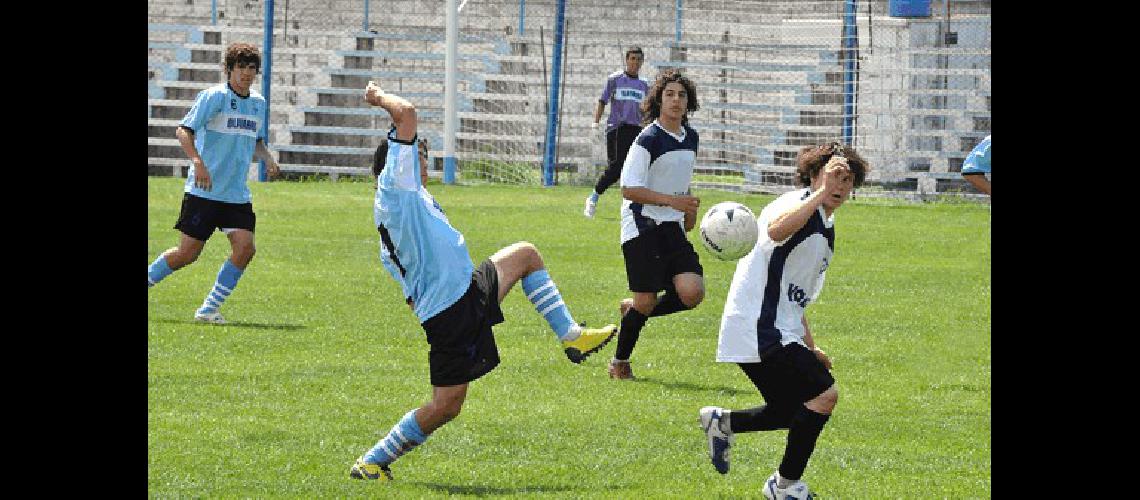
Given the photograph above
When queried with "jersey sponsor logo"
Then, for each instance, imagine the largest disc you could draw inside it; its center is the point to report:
(230, 123)
(241, 123)
(233, 103)
(797, 295)
(629, 95)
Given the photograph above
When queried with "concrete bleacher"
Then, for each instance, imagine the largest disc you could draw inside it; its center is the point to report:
(768, 73)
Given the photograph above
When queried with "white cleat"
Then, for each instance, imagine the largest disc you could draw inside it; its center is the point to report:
(720, 442)
(591, 206)
(214, 318)
(798, 490)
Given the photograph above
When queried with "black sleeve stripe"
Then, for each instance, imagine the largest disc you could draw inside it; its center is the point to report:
(387, 240)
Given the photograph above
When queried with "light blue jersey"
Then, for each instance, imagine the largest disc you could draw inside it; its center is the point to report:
(226, 127)
(418, 246)
(978, 161)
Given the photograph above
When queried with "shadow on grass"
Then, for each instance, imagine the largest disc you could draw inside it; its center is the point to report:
(237, 324)
(686, 386)
(455, 489)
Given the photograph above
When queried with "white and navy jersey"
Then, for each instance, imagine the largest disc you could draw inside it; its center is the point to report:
(662, 162)
(774, 283)
(226, 129)
(418, 246)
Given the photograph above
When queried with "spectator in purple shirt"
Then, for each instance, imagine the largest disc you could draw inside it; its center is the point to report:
(626, 91)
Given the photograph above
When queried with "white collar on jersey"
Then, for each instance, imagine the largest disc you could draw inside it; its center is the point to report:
(680, 138)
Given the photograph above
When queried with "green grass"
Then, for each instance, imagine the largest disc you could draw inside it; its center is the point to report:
(323, 358)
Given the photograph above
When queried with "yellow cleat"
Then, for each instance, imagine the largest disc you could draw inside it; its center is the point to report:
(365, 470)
(588, 342)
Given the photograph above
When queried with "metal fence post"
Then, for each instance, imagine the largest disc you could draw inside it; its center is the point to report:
(555, 83)
(266, 80)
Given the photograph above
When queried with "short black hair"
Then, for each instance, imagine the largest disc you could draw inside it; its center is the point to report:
(634, 50)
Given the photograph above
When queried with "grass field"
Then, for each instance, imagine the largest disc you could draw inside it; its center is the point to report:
(322, 358)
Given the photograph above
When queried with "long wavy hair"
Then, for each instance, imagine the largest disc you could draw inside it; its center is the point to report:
(651, 106)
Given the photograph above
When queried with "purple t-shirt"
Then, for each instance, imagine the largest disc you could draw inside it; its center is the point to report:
(624, 95)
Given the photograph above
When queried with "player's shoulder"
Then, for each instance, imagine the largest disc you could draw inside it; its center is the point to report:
(615, 75)
(649, 134)
(793, 196)
(690, 131)
(214, 92)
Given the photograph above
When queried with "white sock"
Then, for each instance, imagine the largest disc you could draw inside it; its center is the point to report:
(574, 332)
(783, 482)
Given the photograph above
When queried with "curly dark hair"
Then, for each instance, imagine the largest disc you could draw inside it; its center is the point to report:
(811, 160)
(651, 106)
(243, 53)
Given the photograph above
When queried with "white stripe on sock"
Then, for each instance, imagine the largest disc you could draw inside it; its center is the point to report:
(539, 289)
(551, 307)
(223, 288)
(399, 435)
(384, 448)
(544, 298)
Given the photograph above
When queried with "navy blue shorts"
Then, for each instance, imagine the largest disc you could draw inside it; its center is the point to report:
(200, 216)
(655, 256)
(462, 343)
(789, 376)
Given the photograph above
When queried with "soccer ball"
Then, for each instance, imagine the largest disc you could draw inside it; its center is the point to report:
(729, 230)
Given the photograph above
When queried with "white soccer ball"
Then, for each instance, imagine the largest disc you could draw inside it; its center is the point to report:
(729, 230)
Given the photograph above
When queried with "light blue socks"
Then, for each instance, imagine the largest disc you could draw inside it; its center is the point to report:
(157, 270)
(228, 277)
(404, 436)
(541, 292)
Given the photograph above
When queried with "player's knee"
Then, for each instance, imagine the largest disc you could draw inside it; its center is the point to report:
(692, 298)
(825, 403)
(530, 254)
(644, 303)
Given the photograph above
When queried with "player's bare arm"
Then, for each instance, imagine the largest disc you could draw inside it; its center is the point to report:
(786, 224)
(980, 182)
(261, 152)
(598, 112)
(646, 196)
(819, 354)
(186, 140)
(403, 112)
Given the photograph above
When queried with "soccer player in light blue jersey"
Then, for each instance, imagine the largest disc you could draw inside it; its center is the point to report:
(221, 134)
(977, 166)
(457, 303)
